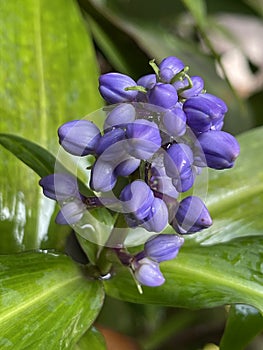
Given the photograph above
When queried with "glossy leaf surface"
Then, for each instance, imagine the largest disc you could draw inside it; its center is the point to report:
(235, 196)
(49, 75)
(44, 298)
(243, 324)
(202, 277)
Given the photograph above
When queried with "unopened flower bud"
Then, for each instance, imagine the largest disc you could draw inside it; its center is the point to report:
(79, 137)
(110, 138)
(204, 111)
(70, 213)
(163, 247)
(127, 167)
(164, 95)
(191, 216)
(174, 121)
(102, 177)
(112, 87)
(143, 138)
(121, 115)
(196, 89)
(148, 273)
(216, 149)
(137, 198)
(169, 67)
(59, 186)
(178, 161)
(147, 81)
(157, 218)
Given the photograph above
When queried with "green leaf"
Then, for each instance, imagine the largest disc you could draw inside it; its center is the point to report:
(49, 74)
(243, 324)
(46, 302)
(235, 196)
(92, 339)
(202, 277)
(36, 157)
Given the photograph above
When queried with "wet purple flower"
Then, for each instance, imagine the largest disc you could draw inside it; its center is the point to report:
(196, 89)
(157, 218)
(216, 149)
(147, 272)
(178, 161)
(174, 121)
(70, 213)
(191, 216)
(164, 95)
(169, 67)
(79, 137)
(143, 138)
(59, 186)
(204, 111)
(163, 247)
(112, 87)
(121, 115)
(137, 198)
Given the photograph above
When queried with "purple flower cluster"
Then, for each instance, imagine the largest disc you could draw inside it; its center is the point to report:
(158, 134)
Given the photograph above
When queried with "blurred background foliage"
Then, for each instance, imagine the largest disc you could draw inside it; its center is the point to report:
(220, 40)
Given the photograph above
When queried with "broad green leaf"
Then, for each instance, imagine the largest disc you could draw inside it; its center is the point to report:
(202, 277)
(243, 324)
(36, 157)
(48, 75)
(92, 339)
(46, 301)
(235, 196)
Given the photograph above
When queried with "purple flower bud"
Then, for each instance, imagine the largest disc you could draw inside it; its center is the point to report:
(70, 213)
(164, 95)
(127, 167)
(169, 67)
(120, 115)
(109, 138)
(161, 183)
(157, 219)
(216, 149)
(112, 87)
(148, 273)
(191, 216)
(204, 111)
(137, 199)
(178, 161)
(147, 81)
(174, 121)
(79, 137)
(143, 138)
(163, 247)
(198, 86)
(59, 187)
(102, 177)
